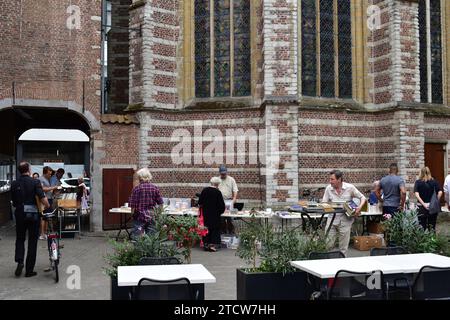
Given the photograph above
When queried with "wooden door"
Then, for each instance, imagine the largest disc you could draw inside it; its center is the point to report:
(117, 187)
(435, 160)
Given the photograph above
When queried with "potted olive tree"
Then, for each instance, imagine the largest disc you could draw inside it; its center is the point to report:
(268, 254)
(129, 253)
(403, 229)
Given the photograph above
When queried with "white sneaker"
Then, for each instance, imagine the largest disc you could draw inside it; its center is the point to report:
(41, 238)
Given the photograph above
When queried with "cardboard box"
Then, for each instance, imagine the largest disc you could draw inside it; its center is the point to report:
(365, 243)
(375, 227)
(68, 203)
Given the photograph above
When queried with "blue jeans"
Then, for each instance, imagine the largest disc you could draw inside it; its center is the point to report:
(141, 228)
(390, 210)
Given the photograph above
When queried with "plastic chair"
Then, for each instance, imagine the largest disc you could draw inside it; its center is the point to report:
(350, 285)
(149, 261)
(319, 285)
(432, 283)
(387, 251)
(397, 286)
(175, 289)
(325, 255)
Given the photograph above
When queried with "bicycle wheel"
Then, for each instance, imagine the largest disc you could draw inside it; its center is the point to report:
(56, 262)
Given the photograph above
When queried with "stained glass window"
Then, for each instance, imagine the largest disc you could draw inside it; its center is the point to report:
(326, 26)
(242, 69)
(436, 51)
(230, 53)
(423, 51)
(326, 49)
(222, 48)
(430, 56)
(202, 49)
(309, 65)
(345, 49)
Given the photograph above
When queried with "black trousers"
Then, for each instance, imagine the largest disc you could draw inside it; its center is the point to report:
(22, 227)
(426, 219)
(213, 236)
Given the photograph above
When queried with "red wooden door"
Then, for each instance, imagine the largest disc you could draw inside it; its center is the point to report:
(117, 186)
(435, 160)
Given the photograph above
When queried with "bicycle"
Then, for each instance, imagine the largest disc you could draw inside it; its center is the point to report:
(52, 243)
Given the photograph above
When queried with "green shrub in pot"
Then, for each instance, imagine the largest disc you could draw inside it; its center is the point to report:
(403, 229)
(274, 250)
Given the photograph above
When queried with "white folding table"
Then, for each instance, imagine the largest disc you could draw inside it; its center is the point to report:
(197, 274)
(391, 264)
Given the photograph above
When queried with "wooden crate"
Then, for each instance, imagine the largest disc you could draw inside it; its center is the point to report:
(375, 227)
(365, 243)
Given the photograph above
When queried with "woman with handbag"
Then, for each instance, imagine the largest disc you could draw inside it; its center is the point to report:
(212, 205)
(428, 193)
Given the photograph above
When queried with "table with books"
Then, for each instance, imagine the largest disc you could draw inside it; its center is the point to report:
(311, 213)
(249, 214)
(181, 211)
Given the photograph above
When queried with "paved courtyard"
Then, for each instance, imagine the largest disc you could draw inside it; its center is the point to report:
(87, 252)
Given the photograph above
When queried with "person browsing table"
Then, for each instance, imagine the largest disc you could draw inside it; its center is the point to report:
(394, 192)
(229, 190)
(338, 191)
(144, 198)
(212, 204)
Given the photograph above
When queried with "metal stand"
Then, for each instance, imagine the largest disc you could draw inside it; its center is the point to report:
(123, 225)
(62, 220)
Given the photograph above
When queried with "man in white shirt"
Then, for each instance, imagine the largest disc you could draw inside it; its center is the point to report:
(336, 191)
(446, 191)
(227, 185)
(229, 190)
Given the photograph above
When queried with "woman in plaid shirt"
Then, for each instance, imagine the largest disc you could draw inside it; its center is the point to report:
(144, 198)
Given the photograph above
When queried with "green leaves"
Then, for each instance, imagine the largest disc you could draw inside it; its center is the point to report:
(127, 253)
(404, 230)
(186, 231)
(276, 249)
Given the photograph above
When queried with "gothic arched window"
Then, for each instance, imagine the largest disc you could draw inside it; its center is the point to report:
(430, 30)
(326, 48)
(222, 48)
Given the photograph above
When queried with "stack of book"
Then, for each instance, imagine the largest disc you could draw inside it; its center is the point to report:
(350, 208)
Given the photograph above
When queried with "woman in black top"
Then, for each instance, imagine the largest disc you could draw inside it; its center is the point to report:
(424, 189)
(211, 201)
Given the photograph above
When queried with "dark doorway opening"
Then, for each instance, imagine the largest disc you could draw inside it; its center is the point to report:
(435, 160)
(117, 187)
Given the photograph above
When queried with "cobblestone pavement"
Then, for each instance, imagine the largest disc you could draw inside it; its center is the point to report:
(87, 252)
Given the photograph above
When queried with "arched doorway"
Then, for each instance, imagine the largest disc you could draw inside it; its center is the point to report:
(68, 149)
(17, 121)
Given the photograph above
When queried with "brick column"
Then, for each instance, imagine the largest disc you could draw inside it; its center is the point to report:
(409, 134)
(145, 129)
(282, 149)
(161, 23)
(280, 47)
(394, 69)
(136, 94)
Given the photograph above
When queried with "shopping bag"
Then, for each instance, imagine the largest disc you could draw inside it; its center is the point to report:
(435, 205)
(201, 225)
